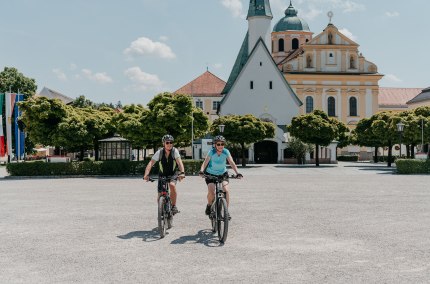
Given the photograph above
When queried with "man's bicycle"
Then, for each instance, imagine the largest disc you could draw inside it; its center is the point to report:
(165, 215)
(219, 215)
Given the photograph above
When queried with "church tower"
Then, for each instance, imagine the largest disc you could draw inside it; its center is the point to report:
(259, 23)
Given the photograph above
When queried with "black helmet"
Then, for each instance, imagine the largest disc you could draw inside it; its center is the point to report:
(219, 138)
(167, 137)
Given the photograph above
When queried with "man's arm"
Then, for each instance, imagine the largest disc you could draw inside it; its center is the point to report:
(148, 169)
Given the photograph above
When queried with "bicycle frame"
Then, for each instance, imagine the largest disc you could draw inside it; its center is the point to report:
(165, 216)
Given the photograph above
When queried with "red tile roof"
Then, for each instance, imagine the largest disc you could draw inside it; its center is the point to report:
(396, 97)
(206, 85)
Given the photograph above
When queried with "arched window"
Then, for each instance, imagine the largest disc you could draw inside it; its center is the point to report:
(331, 106)
(281, 45)
(309, 104)
(352, 106)
(295, 43)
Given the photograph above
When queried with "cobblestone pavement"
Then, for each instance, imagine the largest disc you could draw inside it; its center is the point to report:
(346, 223)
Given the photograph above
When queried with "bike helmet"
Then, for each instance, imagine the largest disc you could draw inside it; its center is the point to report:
(219, 138)
(167, 137)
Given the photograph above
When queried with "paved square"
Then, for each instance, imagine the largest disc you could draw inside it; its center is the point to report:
(346, 223)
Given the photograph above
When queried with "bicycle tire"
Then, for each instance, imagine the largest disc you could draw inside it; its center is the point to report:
(213, 218)
(161, 217)
(222, 220)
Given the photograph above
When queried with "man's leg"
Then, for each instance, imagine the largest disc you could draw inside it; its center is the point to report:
(173, 194)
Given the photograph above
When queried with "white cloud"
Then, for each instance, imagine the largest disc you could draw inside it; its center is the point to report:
(101, 78)
(392, 14)
(235, 7)
(143, 81)
(312, 13)
(60, 74)
(73, 66)
(345, 6)
(145, 46)
(217, 65)
(392, 78)
(348, 34)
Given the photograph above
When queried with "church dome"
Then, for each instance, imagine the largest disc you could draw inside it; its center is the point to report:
(291, 22)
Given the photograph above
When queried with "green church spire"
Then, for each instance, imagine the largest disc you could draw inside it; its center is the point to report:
(259, 8)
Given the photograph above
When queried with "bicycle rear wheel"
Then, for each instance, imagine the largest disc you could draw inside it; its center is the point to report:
(162, 218)
(222, 220)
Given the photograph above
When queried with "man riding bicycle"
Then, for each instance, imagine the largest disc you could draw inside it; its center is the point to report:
(216, 164)
(169, 160)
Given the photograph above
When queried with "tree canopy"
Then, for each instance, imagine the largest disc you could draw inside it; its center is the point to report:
(12, 80)
(243, 130)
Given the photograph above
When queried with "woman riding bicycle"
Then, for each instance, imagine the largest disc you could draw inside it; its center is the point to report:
(169, 160)
(216, 164)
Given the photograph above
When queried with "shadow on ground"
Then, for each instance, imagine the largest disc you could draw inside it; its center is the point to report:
(205, 237)
(147, 236)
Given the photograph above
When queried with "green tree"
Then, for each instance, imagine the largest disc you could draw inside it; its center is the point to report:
(384, 127)
(314, 128)
(42, 117)
(11, 79)
(173, 114)
(363, 135)
(243, 130)
(299, 149)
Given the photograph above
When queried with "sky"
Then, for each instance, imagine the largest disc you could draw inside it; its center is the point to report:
(131, 50)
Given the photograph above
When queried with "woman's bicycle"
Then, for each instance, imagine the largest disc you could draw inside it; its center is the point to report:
(219, 215)
(165, 215)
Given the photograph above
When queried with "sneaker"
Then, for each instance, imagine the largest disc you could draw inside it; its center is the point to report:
(208, 210)
(175, 210)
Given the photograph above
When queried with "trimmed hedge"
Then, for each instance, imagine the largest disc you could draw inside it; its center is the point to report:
(347, 158)
(408, 166)
(90, 168)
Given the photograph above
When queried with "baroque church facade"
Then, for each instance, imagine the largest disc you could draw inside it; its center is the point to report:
(286, 71)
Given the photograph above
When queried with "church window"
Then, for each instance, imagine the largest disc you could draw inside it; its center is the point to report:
(281, 46)
(199, 104)
(330, 38)
(309, 104)
(215, 105)
(270, 85)
(251, 85)
(331, 106)
(307, 40)
(352, 106)
(261, 63)
(295, 43)
(331, 54)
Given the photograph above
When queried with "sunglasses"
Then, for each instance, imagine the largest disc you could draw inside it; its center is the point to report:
(220, 144)
(168, 142)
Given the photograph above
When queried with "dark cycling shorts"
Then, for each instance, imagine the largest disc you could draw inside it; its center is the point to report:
(209, 180)
(173, 179)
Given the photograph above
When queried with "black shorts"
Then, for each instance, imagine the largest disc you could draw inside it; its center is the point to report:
(209, 180)
(173, 179)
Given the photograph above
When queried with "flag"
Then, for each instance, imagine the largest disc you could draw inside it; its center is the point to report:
(10, 103)
(19, 135)
(2, 150)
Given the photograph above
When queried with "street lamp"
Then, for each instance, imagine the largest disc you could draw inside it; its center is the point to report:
(221, 128)
(400, 127)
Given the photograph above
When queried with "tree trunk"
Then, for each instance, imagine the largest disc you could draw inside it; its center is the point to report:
(81, 154)
(144, 153)
(243, 155)
(413, 151)
(317, 155)
(390, 150)
(138, 154)
(408, 151)
(375, 158)
(96, 150)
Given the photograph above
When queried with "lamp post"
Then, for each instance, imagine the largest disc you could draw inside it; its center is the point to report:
(400, 127)
(192, 135)
(221, 128)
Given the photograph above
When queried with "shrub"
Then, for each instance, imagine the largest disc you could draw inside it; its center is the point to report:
(410, 166)
(91, 168)
(348, 158)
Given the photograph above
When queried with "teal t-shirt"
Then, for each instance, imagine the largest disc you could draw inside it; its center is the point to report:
(217, 164)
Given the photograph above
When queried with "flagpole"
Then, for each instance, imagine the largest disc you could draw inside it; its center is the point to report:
(18, 146)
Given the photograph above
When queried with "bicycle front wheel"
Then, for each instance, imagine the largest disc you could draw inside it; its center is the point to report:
(222, 220)
(162, 217)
